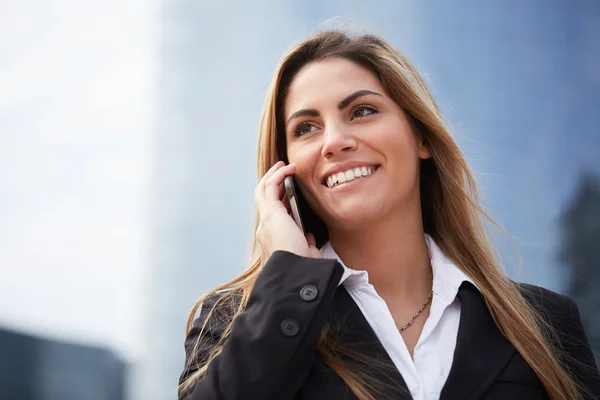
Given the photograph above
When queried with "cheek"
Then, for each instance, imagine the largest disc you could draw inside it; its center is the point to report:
(305, 157)
(296, 153)
(399, 145)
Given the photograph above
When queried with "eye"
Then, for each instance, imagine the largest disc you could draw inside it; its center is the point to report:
(363, 110)
(303, 129)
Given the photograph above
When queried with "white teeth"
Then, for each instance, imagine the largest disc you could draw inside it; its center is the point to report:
(347, 176)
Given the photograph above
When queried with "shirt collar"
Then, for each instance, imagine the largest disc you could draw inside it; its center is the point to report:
(350, 277)
(447, 277)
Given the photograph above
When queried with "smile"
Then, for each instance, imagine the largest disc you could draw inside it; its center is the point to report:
(341, 178)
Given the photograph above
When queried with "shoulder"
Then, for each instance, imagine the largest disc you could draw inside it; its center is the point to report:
(569, 337)
(557, 309)
(545, 300)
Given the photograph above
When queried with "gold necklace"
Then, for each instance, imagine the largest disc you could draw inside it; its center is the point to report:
(409, 323)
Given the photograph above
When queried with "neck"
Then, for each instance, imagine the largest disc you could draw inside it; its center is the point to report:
(394, 253)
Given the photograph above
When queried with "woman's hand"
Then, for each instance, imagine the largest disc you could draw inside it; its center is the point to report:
(276, 229)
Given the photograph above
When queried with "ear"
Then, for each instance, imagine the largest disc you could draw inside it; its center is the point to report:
(423, 151)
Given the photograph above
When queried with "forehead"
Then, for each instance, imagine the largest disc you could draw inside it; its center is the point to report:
(328, 81)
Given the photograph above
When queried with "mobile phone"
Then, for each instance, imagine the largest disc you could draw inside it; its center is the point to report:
(290, 191)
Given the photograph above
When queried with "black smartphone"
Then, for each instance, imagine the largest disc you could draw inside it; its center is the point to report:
(292, 195)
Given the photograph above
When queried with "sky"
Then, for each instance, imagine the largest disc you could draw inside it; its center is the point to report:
(77, 99)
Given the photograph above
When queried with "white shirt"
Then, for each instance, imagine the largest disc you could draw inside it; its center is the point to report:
(425, 374)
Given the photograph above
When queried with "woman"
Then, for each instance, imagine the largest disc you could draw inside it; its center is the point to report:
(395, 293)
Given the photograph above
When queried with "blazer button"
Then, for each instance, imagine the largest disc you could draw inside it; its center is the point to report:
(289, 327)
(309, 293)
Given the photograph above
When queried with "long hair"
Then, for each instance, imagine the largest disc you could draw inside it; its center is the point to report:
(450, 206)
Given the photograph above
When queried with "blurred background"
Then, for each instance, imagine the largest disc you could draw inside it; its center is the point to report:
(127, 162)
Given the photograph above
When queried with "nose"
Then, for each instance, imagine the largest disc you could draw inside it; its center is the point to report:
(336, 141)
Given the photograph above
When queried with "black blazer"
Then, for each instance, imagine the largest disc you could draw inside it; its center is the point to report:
(270, 351)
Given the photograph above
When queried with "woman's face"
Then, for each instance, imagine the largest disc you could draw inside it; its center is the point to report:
(357, 158)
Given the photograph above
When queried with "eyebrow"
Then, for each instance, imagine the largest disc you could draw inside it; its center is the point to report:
(311, 112)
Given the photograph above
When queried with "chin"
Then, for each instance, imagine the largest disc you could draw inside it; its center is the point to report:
(356, 217)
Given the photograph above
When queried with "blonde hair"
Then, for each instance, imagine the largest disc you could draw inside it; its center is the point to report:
(451, 212)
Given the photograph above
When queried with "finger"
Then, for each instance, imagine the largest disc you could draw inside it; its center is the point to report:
(274, 194)
(271, 171)
(260, 188)
(274, 185)
(259, 192)
(312, 245)
(310, 239)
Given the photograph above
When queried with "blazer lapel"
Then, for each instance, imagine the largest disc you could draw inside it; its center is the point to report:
(350, 328)
(481, 350)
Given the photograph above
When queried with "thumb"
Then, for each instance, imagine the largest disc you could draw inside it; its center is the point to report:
(310, 238)
(312, 245)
